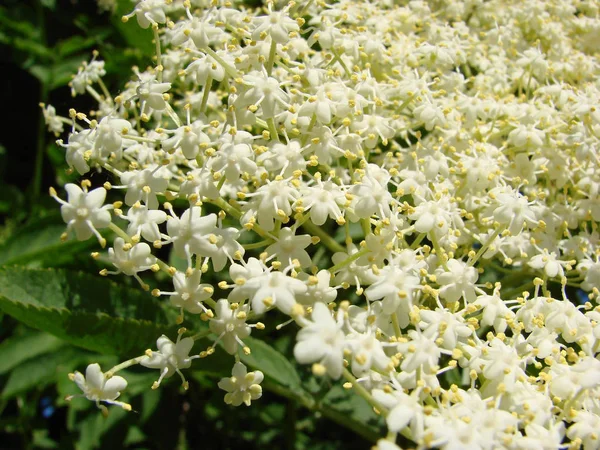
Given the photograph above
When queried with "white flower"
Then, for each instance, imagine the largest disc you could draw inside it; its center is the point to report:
(130, 259)
(367, 353)
(278, 25)
(150, 92)
(230, 325)
(322, 201)
(567, 381)
(512, 209)
(322, 341)
(420, 352)
(144, 222)
(109, 137)
(99, 387)
(458, 281)
(189, 292)
(290, 247)
(170, 358)
(85, 212)
(235, 156)
(53, 122)
(190, 233)
(79, 150)
(585, 427)
(188, 138)
(266, 92)
(549, 263)
(243, 386)
(274, 289)
(318, 288)
(149, 12)
(395, 287)
(270, 202)
(143, 185)
(403, 409)
(87, 74)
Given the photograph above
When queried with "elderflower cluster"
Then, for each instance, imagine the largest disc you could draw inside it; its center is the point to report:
(415, 185)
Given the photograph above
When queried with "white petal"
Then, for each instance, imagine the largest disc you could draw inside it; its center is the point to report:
(113, 387)
(399, 417)
(309, 351)
(95, 199)
(94, 378)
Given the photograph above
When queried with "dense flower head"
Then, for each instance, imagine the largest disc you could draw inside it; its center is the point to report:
(415, 186)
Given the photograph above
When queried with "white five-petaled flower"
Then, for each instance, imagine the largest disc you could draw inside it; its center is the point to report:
(322, 341)
(230, 325)
(100, 387)
(130, 259)
(170, 358)
(85, 212)
(242, 386)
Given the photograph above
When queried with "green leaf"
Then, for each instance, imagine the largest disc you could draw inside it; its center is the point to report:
(39, 242)
(354, 408)
(11, 21)
(41, 371)
(17, 349)
(42, 440)
(75, 44)
(88, 311)
(32, 47)
(63, 71)
(135, 36)
(50, 4)
(272, 363)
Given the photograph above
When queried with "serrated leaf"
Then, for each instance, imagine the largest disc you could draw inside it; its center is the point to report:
(271, 363)
(41, 371)
(88, 311)
(17, 349)
(40, 242)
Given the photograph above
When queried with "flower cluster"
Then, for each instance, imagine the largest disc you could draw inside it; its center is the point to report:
(416, 186)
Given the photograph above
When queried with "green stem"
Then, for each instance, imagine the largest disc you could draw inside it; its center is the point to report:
(159, 67)
(205, 93)
(438, 250)
(309, 403)
(417, 241)
(397, 331)
(231, 71)
(485, 246)
(259, 244)
(349, 260)
(327, 240)
(272, 54)
(313, 121)
(517, 291)
(272, 129)
(105, 91)
(126, 364)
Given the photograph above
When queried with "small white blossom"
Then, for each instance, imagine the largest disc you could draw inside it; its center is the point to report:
(100, 387)
(322, 341)
(85, 212)
(242, 386)
(170, 358)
